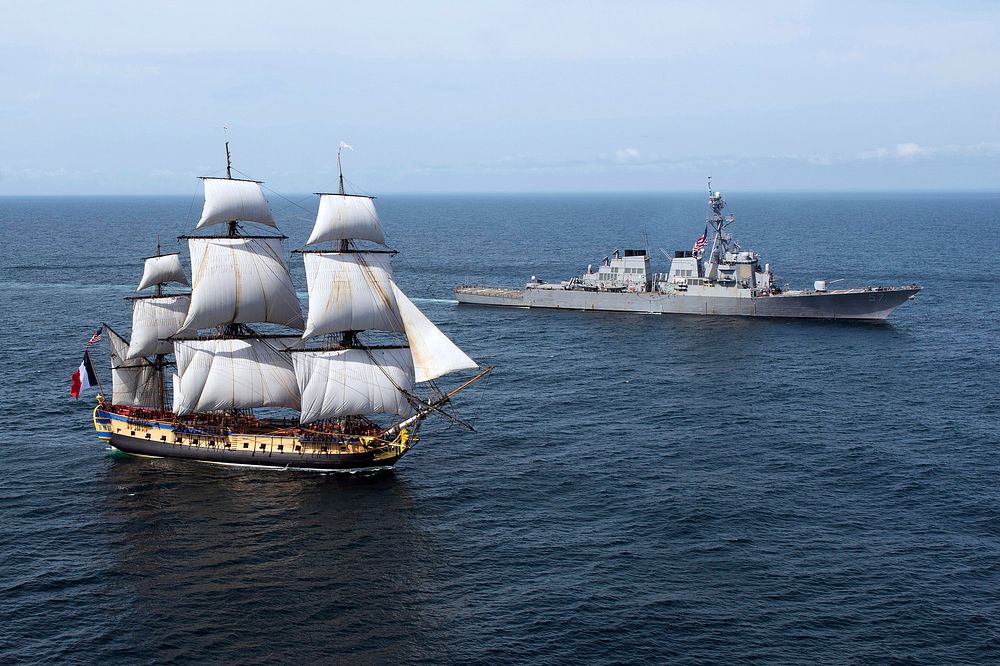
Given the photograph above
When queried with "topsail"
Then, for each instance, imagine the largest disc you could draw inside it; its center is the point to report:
(154, 320)
(350, 291)
(240, 281)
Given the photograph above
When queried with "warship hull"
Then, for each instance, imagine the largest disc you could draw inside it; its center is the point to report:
(282, 448)
(866, 304)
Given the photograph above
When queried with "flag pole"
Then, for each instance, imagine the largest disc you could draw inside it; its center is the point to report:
(100, 387)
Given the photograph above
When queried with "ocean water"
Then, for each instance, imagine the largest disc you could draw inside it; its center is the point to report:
(640, 489)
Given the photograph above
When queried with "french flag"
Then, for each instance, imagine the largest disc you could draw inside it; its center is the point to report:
(84, 377)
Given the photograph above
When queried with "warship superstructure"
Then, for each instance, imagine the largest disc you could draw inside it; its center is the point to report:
(727, 280)
(345, 376)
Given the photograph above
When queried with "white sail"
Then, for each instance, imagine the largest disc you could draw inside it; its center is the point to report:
(353, 381)
(219, 374)
(241, 281)
(350, 291)
(162, 269)
(154, 319)
(228, 199)
(134, 382)
(434, 354)
(346, 216)
(175, 382)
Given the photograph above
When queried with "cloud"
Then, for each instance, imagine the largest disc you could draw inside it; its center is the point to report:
(986, 149)
(627, 155)
(902, 151)
(909, 151)
(37, 174)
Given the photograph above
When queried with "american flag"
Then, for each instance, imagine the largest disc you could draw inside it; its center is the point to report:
(701, 242)
(95, 338)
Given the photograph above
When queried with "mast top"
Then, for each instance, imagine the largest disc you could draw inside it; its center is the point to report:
(340, 166)
(715, 203)
(229, 162)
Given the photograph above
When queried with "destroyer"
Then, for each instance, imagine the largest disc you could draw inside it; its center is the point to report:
(337, 368)
(729, 281)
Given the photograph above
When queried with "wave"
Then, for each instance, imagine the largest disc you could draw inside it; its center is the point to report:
(76, 286)
(435, 301)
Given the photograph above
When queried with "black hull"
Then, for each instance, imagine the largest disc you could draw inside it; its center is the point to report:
(268, 459)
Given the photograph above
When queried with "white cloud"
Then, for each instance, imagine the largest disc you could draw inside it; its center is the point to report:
(908, 151)
(902, 151)
(627, 155)
(36, 174)
(986, 149)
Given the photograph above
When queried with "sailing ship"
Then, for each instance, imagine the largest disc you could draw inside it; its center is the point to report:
(238, 342)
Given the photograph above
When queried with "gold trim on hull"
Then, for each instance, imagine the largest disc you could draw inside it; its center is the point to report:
(271, 446)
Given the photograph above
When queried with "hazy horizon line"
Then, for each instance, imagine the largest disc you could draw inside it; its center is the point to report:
(915, 190)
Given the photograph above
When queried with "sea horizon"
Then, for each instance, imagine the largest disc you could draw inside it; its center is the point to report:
(505, 193)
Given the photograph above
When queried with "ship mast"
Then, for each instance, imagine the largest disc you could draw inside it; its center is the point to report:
(344, 243)
(161, 359)
(230, 329)
(380, 378)
(347, 338)
(340, 167)
(718, 222)
(229, 175)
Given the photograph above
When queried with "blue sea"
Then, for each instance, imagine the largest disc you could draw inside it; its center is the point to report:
(640, 489)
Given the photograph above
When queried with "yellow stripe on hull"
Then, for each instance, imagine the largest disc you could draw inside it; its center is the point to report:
(277, 449)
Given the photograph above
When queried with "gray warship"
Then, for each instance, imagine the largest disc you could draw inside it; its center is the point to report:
(728, 281)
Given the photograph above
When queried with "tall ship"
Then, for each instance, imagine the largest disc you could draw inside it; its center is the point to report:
(727, 280)
(231, 372)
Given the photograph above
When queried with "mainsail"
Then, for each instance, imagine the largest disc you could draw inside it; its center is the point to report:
(225, 374)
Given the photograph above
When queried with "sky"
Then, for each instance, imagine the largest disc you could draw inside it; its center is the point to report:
(131, 97)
